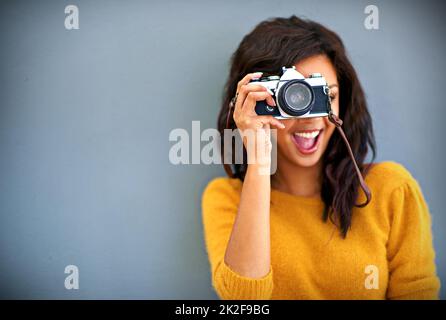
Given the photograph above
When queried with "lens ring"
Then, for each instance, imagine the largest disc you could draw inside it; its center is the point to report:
(296, 97)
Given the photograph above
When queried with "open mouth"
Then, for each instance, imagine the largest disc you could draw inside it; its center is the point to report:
(307, 141)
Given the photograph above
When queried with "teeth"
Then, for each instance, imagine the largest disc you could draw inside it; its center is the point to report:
(308, 135)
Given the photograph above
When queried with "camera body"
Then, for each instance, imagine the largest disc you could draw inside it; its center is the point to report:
(295, 95)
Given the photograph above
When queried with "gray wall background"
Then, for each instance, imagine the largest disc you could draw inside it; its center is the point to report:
(85, 117)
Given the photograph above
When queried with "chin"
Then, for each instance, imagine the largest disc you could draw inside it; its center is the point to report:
(307, 162)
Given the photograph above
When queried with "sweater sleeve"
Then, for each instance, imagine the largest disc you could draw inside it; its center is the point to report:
(219, 209)
(410, 253)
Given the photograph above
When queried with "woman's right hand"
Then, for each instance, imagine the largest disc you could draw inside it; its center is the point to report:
(248, 251)
(251, 125)
(245, 116)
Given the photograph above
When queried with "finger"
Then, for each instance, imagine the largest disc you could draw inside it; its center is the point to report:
(245, 90)
(252, 98)
(246, 79)
(272, 121)
(253, 86)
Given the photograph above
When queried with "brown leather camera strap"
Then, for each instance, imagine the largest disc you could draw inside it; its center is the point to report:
(228, 117)
(338, 123)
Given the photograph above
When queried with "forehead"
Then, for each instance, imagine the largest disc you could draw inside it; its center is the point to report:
(320, 64)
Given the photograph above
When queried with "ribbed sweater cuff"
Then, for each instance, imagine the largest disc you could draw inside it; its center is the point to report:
(234, 286)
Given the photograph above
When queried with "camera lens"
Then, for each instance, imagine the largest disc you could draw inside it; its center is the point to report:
(298, 96)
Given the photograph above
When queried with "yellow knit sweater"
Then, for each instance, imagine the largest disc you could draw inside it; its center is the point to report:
(387, 254)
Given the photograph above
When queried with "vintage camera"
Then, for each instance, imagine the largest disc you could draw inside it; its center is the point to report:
(295, 95)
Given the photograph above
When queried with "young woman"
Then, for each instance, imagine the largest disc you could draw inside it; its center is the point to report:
(300, 233)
